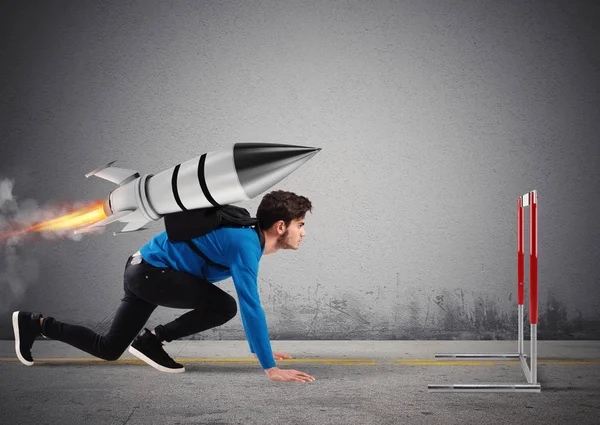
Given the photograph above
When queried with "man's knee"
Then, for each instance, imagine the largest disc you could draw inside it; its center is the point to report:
(230, 308)
(111, 356)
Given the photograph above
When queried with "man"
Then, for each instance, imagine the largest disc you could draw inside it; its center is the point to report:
(174, 275)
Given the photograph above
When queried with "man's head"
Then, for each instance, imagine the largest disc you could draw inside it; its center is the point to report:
(281, 215)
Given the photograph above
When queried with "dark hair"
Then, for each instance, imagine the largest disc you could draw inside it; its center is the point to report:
(281, 205)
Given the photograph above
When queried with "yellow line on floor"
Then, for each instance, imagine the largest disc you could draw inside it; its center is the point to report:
(345, 362)
(187, 360)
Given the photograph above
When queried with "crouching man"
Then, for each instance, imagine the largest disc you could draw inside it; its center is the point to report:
(183, 275)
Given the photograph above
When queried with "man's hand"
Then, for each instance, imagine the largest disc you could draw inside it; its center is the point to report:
(287, 375)
(277, 355)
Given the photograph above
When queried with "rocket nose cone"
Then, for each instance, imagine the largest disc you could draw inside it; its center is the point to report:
(262, 165)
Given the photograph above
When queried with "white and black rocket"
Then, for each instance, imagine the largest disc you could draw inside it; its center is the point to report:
(212, 179)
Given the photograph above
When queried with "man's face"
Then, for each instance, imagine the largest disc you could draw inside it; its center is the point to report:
(292, 235)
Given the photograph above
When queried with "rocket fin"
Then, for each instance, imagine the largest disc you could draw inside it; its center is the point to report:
(104, 222)
(116, 175)
(132, 227)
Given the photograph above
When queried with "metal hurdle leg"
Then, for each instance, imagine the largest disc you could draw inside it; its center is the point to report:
(530, 199)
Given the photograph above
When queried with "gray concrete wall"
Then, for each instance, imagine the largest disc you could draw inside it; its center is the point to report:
(433, 117)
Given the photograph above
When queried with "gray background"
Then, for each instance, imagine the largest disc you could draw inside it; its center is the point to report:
(433, 117)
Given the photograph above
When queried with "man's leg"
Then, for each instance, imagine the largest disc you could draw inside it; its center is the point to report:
(217, 308)
(210, 305)
(130, 317)
(170, 288)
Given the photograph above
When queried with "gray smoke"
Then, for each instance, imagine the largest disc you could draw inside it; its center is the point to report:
(18, 267)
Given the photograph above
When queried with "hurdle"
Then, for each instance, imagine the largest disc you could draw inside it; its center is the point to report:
(530, 200)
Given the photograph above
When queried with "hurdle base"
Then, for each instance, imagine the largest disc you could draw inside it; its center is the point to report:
(503, 356)
(531, 387)
(479, 388)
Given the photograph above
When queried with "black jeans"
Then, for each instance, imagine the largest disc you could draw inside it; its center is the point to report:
(147, 287)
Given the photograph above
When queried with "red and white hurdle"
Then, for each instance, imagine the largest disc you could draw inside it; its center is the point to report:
(530, 200)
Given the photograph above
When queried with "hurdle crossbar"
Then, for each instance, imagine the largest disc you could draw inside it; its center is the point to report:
(530, 200)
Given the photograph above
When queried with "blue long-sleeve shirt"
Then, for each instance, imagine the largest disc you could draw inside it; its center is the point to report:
(237, 248)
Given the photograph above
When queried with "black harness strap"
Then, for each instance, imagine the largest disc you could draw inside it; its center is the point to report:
(204, 257)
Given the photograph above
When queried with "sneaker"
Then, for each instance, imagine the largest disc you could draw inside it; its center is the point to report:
(148, 348)
(26, 327)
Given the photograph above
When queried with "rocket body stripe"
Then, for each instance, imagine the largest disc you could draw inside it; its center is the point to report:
(160, 192)
(202, 181)
(174, 188)
(188, 187)
(222, 179)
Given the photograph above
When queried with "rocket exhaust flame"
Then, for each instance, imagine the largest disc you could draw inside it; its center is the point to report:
(81, 217)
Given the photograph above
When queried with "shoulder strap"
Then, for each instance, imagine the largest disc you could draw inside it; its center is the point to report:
(204, 257)
(261, 236)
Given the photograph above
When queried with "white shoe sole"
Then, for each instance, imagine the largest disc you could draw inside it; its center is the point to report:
(152, 363)
(15, 322)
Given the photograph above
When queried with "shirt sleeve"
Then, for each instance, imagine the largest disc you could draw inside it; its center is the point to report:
(247, 334)
(244, 271)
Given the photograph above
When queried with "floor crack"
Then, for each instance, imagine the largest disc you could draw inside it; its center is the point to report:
(130, 415)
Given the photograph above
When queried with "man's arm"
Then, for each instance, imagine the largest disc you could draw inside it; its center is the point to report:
(244, 271)
(247, 334)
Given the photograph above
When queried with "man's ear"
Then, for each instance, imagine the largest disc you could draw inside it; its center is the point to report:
(280, 226)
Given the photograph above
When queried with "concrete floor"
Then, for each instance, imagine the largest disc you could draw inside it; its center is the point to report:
(358, 382)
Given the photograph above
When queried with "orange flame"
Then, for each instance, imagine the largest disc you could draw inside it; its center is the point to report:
(81, 217)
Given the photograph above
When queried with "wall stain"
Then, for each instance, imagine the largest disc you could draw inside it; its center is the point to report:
(444, 316)
(341, 307)
(317, 310)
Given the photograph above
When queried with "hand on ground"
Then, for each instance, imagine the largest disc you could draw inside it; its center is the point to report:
(288, 375)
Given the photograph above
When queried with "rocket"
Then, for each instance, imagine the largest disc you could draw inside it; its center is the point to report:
(212, 179)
